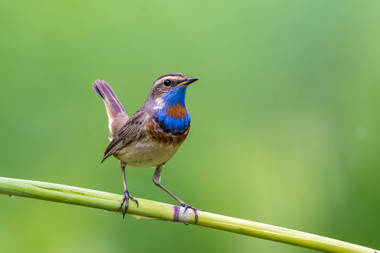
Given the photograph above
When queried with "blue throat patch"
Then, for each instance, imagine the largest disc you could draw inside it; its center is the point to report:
(174, 123)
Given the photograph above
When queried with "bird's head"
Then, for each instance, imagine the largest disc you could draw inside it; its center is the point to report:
(168, 90)
(167, 100)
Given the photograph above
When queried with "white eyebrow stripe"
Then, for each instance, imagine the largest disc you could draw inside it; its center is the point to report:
(172, 78)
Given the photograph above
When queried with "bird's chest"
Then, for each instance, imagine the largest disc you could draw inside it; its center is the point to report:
(173, 119)
(147, 153)
(155, 148)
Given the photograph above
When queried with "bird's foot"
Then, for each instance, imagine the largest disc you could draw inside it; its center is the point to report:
(186, 206)
(125, 199)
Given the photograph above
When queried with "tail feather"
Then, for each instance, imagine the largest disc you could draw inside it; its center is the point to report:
(115, 110)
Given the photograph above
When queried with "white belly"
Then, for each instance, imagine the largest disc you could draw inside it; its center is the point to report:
(146, 153)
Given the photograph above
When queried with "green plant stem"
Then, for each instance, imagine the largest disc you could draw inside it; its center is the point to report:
(148, 209)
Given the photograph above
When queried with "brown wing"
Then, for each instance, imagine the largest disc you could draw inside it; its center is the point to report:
(133, 129)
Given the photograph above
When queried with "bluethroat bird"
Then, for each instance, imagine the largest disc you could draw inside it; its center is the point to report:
(153, 134)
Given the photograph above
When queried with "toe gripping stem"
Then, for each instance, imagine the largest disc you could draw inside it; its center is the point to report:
(125, 200)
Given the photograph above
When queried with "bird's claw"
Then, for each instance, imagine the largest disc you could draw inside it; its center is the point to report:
(186, 206)
(125, 199)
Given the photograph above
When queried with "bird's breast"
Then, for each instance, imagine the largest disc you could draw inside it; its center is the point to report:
(173, 119)
(159, 135)
(155, 148)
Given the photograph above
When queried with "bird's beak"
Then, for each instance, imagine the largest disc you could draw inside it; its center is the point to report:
(188, 81)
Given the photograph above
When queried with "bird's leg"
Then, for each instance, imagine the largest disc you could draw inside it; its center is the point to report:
(157, 181)
(127, 196)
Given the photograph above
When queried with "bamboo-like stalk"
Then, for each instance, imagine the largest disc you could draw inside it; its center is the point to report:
(148, 209)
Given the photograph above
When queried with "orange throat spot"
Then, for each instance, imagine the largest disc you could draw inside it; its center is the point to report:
(176, 111)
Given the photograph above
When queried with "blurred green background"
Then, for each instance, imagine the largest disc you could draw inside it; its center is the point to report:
(285, 125)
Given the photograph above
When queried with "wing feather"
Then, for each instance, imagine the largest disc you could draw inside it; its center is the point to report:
(131, 131)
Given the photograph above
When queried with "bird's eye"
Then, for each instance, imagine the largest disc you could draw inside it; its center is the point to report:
(167, 82)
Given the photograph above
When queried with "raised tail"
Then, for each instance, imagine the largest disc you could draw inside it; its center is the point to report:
(115, 110)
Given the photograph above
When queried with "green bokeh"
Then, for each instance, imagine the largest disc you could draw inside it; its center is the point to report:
(285, 118)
